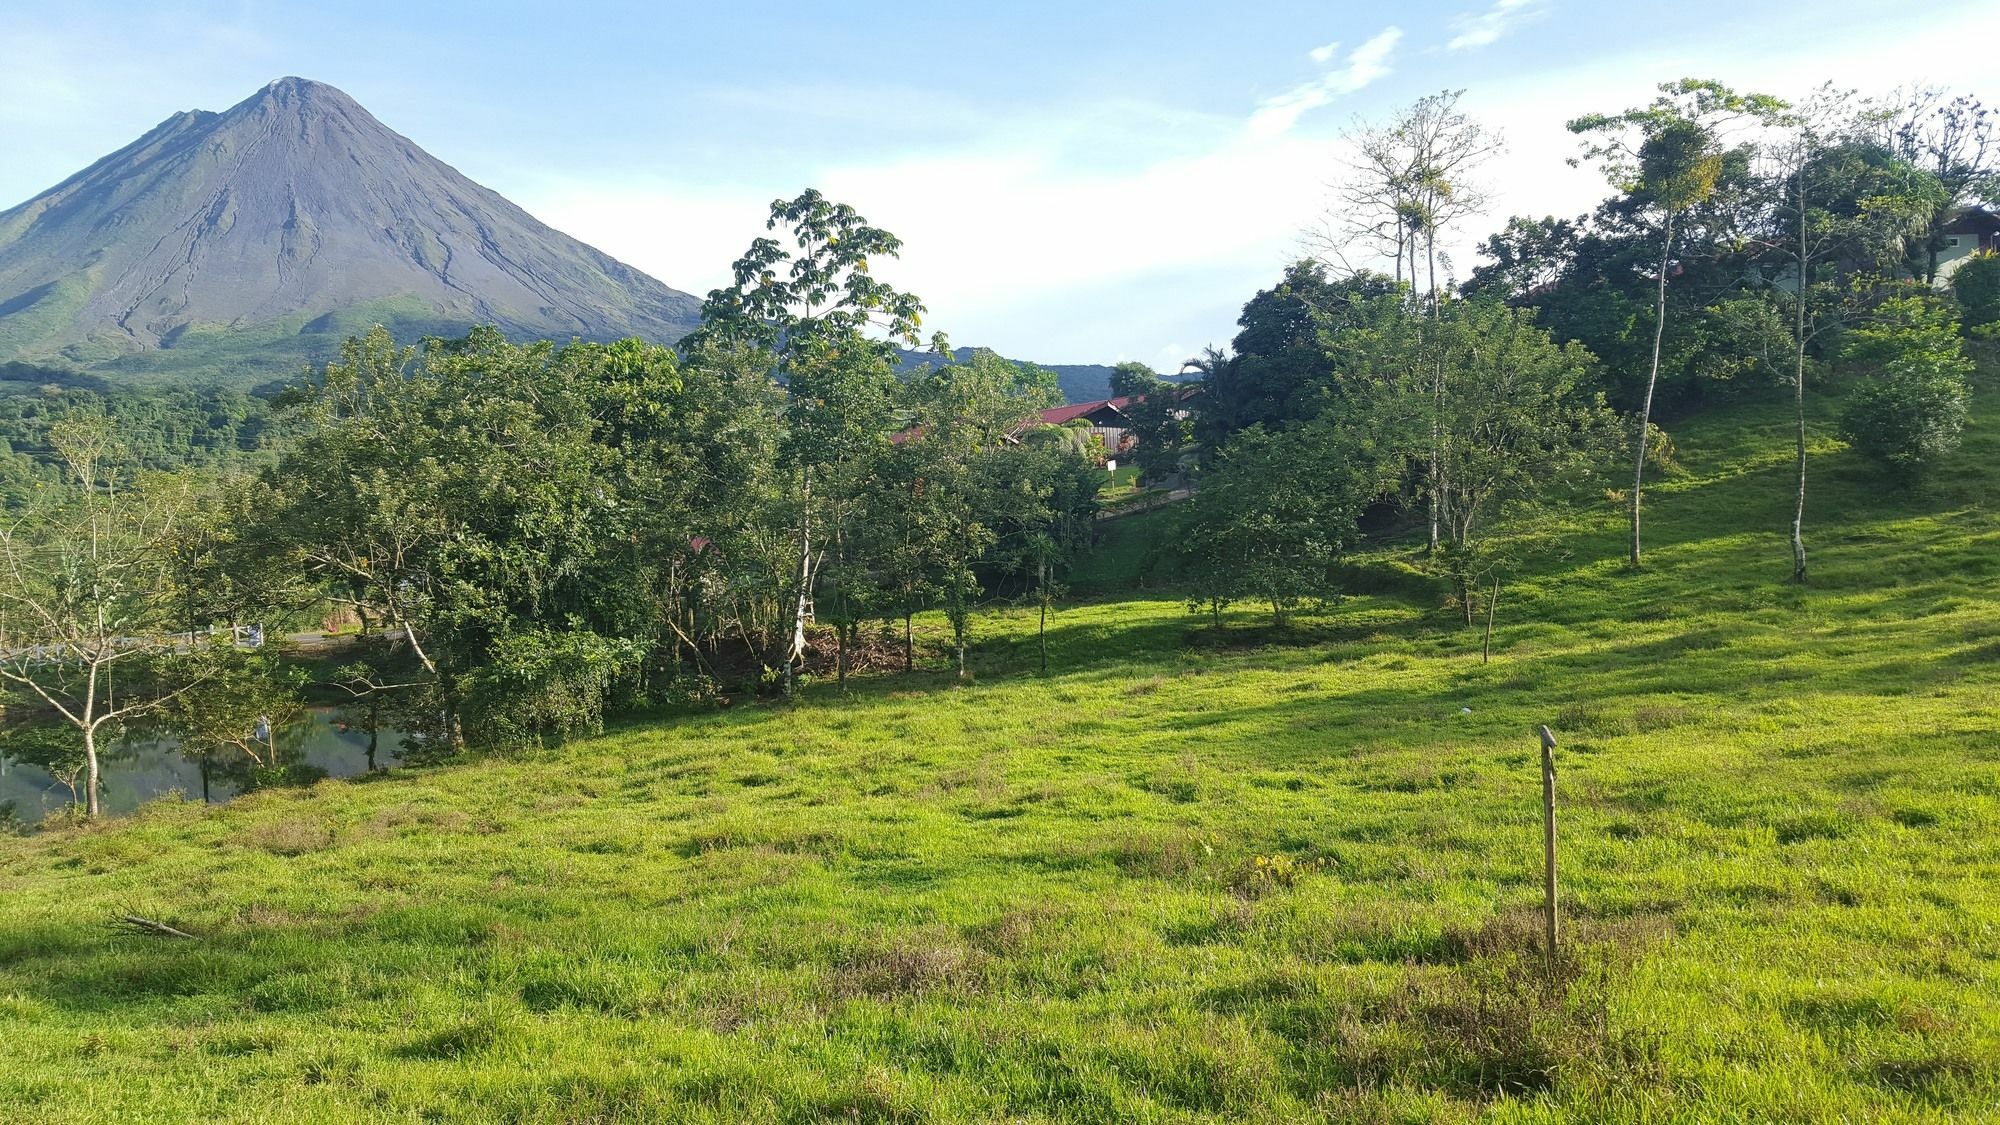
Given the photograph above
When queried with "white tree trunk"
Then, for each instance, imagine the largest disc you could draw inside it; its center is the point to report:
(1652, 378)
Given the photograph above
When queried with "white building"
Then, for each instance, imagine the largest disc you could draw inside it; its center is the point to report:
(1971, 231)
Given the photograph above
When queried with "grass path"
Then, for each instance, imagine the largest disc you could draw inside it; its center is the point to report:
(1183, 878)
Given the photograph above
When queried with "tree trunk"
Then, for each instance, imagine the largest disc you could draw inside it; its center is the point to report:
(909, 645)
(1799, 392)
(90, 771)
(1042, 628)
(1437, 399)
(1437, 441)
(1652, 378)
(796, 652)
(960, 623)
(1486, 644)
(840, 654)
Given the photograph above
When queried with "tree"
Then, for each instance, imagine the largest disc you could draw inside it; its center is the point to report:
(811, 307)
(1522, 425)
(1160, 426)
(1520, 422)
(1667, 157)
(1910, 406)
(1274, 512)
(482, 494)
(1415, 178)
(1412, 177)
(965, 418)
(1281, 372)
(1528, 257)
(236, 708)
(1951, 139)
(1834, 206)
(81, 579)
(1042, 503)
(1976, 284)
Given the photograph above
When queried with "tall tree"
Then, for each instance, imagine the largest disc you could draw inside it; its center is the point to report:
(1414, 177)
(1275, 511)
(1667, 157)
(1523, 424)
(1281, 370)
(830, 327)
(475, 499)
(1950, 138)
(965, 420)
(1838, 211)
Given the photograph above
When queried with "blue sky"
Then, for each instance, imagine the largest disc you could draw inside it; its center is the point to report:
(1076, 182)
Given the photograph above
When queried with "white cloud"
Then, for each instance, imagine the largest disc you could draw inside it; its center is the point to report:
(1323, 55)
(1487, 27)
(1277, 115)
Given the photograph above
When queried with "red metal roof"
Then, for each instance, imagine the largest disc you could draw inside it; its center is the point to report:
(1056, 416)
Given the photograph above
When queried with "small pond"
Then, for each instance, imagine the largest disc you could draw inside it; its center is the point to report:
(142, 766)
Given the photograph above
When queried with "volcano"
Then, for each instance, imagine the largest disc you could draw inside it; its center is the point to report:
(251, 239)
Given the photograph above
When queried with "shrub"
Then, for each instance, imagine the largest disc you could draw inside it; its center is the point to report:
(1976, 283)
(1908, 411)
(541, 685)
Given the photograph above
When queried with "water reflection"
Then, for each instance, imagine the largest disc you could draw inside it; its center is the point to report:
(142, 766)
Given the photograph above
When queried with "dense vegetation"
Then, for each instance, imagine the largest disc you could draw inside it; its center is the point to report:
(885, 825)
(1187, 875)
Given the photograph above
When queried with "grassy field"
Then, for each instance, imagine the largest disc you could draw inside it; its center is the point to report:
(1187, 876)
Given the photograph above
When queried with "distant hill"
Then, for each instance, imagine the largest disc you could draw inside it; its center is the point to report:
(1081, 382)
(238, 245)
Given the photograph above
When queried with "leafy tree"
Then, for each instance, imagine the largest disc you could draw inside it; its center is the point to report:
(1281, 370)
(1041, 499)
(1976, 284)
(1667, 157)
(1837, 209)
(1161, 428)
(966, 415)
(545, 683)
(812, 307)
(81, 583)
(1950, 139)
(1910, 405)
(1529, 256)
(1518, 425)
(237, 705)
(1523, 424)
(1275, 511)
(482, 493)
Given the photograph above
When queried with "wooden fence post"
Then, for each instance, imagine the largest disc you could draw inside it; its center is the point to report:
(1549, 840)
(1486, 643)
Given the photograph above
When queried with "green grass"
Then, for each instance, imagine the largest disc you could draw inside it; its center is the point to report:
(1186, 877)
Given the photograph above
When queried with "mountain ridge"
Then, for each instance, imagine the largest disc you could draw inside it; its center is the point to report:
(291, 216)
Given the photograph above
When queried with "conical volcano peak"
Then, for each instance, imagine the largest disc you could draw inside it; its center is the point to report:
(295, 213)
(299, 97)
(295, 89)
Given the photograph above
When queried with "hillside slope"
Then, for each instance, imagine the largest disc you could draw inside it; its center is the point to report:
(293, 217)
(1185, 877)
